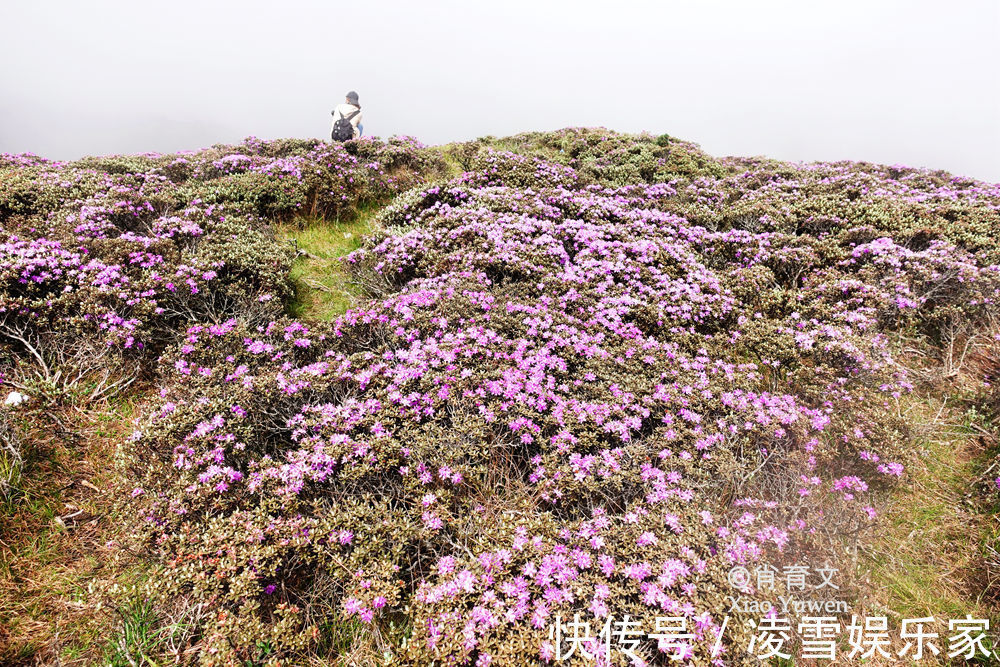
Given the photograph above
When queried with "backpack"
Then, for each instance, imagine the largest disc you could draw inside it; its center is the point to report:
(342, 128)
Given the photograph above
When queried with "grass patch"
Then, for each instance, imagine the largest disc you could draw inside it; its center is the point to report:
(138, 636)
(925, 558)
(449, 153)
(323, 289)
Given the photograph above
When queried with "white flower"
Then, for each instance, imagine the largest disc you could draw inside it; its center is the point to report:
(16, 398)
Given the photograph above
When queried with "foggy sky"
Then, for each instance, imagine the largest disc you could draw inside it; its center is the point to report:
(898, 82)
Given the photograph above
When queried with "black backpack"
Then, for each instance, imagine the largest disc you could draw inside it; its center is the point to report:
(342, 128)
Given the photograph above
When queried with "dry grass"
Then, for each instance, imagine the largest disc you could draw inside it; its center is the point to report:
(56, 569)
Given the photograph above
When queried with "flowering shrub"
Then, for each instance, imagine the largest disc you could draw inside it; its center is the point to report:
(576, 389)
(595, 371)
(119, 252)
(608, 158)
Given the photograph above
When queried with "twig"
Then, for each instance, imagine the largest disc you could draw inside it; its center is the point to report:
(315, 284)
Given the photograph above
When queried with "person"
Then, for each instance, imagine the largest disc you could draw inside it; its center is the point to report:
(350, 106)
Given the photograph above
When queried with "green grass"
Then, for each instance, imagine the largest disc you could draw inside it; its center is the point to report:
(323, 289)
(139, 636)
(10, 483)
(924, 558)
(452, 165)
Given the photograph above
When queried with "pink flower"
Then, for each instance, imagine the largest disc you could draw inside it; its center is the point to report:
(446, 565)
(646, 539)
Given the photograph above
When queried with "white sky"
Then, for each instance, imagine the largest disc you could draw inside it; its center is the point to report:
(910, 82)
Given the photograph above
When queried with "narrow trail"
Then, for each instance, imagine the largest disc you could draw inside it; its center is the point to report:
(926, 560)
(323, 287)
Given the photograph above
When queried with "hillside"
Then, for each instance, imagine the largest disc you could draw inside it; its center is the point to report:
(385, 403)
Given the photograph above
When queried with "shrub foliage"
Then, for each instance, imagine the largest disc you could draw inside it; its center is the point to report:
(593, 373)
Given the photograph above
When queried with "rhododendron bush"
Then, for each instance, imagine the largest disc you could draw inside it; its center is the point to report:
(592, 374)
(119, 252)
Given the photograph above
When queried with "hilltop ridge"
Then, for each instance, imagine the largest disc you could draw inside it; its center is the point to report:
(554, 373)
